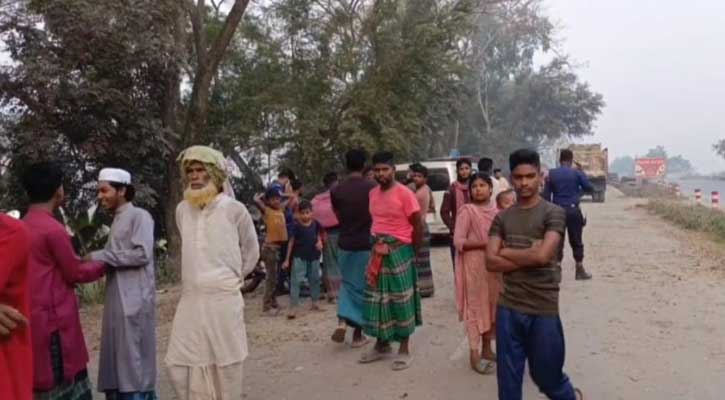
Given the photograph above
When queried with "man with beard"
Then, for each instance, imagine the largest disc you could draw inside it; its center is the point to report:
(456, 196)
(419, 185)
(392, 302)
(208, 341)
(350, 202)
(127, 366)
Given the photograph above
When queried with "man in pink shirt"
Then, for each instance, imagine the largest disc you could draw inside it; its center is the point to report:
(59, 349)
(392, 301)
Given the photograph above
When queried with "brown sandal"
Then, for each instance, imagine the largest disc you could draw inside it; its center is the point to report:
(579, 393)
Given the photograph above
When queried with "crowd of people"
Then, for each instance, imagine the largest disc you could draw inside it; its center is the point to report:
(368, 229)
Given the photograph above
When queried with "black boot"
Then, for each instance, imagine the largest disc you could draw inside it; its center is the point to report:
(581, 273)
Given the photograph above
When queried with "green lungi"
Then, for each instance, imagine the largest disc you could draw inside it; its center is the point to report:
(392, 309)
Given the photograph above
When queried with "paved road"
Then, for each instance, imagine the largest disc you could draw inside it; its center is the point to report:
(648, 327)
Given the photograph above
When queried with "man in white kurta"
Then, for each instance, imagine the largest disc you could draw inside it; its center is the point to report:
(219, 247)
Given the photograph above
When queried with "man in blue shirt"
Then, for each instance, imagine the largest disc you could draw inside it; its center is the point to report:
(564, 187)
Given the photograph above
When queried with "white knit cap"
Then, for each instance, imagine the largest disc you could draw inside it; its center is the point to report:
(115, 175)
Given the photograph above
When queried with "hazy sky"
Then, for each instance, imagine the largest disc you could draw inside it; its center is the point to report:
(660, 65)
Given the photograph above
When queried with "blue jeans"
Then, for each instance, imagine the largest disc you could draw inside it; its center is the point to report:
(116, 395)
(301, 269)
(540, 339)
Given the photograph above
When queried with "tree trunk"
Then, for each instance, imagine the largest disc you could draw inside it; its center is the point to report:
(170, 119)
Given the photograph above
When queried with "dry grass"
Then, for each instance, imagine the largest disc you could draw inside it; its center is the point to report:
(689, 216)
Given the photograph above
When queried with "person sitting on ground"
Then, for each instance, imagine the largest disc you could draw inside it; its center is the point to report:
(305, 244)
(276, 236)
(506, 199)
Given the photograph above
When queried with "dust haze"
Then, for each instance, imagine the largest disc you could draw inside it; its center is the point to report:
(661, 68)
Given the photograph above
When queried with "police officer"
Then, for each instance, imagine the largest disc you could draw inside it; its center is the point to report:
(564, 187)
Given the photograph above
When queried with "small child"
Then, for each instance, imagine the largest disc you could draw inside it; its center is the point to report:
(305, 245)
(506, 199)
(276, 237)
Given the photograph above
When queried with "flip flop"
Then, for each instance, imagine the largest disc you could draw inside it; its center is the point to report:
(486, 367)
(402, 362)
(339, 335)
(360, 343)
(373, 355)
(580, 393)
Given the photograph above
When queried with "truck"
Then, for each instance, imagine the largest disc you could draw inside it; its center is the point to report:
(593, 160)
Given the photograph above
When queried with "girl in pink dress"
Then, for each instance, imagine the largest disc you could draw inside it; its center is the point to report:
(477, 290)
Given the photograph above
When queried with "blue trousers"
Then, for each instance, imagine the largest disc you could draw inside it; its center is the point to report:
(301, 269)
(538, 339)
(116, 395)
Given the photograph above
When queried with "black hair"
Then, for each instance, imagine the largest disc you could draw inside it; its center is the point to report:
(296, 184)
(462, 161)
(329, 179)
(130, 190)
(503, 194)
(485, 164)
(477, 176)
(42, 180)
(304, 205)
(286, 173)
(566, 155)
(497, 170)
(355, 160)
(383, 157)
(524, 156)
(419, 168)
(272, 193)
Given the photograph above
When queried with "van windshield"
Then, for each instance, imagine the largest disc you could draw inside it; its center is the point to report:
(438, 179)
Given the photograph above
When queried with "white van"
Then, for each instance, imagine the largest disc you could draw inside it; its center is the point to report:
(441, 173)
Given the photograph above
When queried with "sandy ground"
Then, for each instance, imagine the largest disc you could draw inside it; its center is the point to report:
(648, 327)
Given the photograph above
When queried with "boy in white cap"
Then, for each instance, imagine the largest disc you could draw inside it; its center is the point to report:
(127, 366)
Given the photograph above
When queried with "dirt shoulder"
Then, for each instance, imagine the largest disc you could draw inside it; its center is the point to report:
(649, 326)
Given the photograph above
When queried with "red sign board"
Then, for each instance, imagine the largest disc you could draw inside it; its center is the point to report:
(650, 168)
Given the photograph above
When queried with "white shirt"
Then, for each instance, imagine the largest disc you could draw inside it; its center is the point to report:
(503, 183)
(219, 248)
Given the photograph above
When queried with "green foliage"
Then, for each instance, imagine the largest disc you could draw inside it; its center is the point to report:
(84, 89)
(104, 83)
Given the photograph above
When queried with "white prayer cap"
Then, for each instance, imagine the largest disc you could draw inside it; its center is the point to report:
(114, 175)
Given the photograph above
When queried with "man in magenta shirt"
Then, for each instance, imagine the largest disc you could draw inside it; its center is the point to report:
(392, 301)
(59, 349)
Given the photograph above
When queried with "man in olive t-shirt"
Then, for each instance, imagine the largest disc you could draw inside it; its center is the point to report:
(523, 245)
